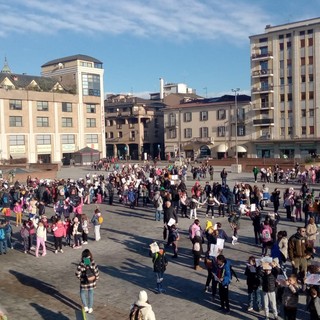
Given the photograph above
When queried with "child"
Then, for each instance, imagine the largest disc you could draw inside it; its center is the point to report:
(76, 232)
(41, 233)
(252, 273)
(269, 276)
(24, 232)
(234, 220)
(96, 223)
(290, 298)
(8, 233)
(17, 209)
(160, 263)
(59, 232)
(313, 304)
(173, 239)
(85, 228)
(68, 231)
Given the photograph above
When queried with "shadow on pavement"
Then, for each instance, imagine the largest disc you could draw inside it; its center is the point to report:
(48, 314)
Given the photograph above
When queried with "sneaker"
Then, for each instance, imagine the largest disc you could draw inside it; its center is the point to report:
(90, 310)
(61, 250)
(44, 254)
(250, 309)
(206, 216)
(85, 242)
(86, 309)
(25, 251)
(55, 251)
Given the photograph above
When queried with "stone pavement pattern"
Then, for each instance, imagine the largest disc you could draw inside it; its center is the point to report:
(46, 288)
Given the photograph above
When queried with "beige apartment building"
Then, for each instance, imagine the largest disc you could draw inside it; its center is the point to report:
(285, 73)
(207, 127)
(48, 118)
(134, 127)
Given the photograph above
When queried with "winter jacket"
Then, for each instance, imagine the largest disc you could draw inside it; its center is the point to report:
(297, 246)
(269, 280)
(160, 261)
(290, 296)
(224, 273)
(59, 230)
(81, 275)
(311, 231)
(253, 277)
(169, 213)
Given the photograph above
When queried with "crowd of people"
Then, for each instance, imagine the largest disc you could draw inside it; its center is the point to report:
(26, 205)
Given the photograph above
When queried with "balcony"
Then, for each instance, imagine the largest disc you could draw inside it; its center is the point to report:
(262, 55)
(263, 106)
(263, 122)
(262, 73)
(263, 89)
(171, 124)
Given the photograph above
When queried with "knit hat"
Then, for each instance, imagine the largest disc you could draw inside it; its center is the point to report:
(143, 297)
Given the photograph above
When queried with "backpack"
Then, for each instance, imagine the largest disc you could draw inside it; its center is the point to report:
(196, 247)
(100, 219)
(88, 275)
(265, 234)
(136, 313)
(156, 202)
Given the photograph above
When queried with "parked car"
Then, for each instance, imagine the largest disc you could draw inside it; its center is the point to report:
(200, 159)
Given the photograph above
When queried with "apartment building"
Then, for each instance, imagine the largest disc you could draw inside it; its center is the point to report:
(285, 62)
(47, 118)
(134, 127)
(207, 127)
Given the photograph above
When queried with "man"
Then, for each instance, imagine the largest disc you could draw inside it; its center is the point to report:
(110, 188)
(298, 254)
(255, 171)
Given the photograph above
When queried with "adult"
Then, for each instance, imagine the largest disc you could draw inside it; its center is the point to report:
(255, 171)
(158, 205)
(223, 175)
(88, 274)
(297, 252)
(142, 306)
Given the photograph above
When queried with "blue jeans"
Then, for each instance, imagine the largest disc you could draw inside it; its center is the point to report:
(254, 298)
(8, 240)
(3, 246)
(158, 215)
(159, 280)
(83, 296)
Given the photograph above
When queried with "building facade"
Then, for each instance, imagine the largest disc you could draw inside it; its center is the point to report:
(47, 118)
(134, 127)
(285, 71)
(207, 127)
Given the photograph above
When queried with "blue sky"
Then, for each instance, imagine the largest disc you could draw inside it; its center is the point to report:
(203, 43)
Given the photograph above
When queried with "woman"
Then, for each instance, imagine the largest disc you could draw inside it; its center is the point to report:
(88, 274)
(311, 232)
(142, 306)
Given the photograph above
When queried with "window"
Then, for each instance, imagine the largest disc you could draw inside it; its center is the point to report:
(281, 97)
(289, 131)
(303, 96)
(289, 96)
(303, 113)
(310, 42)
(241, 130)
(303, 78)
(42, 106)
(66, 122)
(66, 107)
(281, 46)
(221, 131)
(261, 40)
(311, 129)
(281, 81)
(15, 105)
(111, 135)
(303, 61)
(120, 134)
(67, 139)
(221, 114)
(86, 64)
(43, 139)
(289, 62)
(310, 31)
(203, 115)
(280, 36)
(16, 140)
(91, 108)
(42, 122)
(288, 35)
(91, 84)
(204, 132)
(172, 134)
(188, 133)
(303, 130)
(302, 33)
(289, 80)
(187, 117)
(311, 112)
(302, 43)
(289, 44)
(310, 77)
(310, 60)
(310, 95)
(15, 121)
(93, 138)
(91, 123)
(172, 119)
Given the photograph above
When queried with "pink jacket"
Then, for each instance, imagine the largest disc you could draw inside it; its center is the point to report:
(59, 230)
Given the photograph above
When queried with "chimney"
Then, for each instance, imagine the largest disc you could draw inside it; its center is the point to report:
(161, 88)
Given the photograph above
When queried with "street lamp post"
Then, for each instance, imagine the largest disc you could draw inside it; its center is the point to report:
(236, 121)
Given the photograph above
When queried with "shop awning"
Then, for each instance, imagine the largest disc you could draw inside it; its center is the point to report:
(222, 147)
